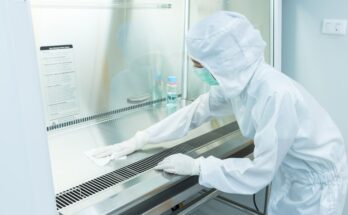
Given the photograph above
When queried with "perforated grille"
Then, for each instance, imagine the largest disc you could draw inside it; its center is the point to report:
(105, 114)
(96, 185)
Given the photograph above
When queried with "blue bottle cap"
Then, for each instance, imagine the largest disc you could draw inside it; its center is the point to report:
(171, 79)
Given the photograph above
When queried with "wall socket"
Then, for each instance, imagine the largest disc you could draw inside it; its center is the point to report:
(334, 26)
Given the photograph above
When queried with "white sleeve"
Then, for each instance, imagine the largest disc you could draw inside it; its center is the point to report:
(275, 132)
(179, 123)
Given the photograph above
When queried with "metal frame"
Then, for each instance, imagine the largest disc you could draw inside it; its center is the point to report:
(271, 33)
(185, 57)
(277, 33)
(238, 206)
(198, 202)
(175, 200)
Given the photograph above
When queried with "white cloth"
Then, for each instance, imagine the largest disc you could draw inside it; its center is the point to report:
(103, 155)
(296, 142)
(102, 161)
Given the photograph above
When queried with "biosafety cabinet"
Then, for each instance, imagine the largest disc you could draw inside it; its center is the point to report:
(103, 67)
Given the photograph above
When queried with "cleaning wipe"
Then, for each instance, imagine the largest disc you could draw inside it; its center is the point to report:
(102, 161)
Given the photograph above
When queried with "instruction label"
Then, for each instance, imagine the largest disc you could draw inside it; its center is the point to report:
(59, 82)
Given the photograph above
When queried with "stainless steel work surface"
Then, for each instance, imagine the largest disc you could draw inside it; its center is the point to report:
(71, 167)
(125, 197)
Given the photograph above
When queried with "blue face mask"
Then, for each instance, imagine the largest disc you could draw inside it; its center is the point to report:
(205, 76)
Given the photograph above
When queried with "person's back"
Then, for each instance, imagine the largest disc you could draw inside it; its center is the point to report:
(317, 154)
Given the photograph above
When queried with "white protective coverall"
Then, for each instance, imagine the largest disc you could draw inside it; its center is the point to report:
(297, 145)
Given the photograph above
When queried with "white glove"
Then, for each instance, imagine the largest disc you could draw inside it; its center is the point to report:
(180, 164)
(127, 147)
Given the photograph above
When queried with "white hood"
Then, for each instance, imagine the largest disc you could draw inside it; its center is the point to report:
(228, 45)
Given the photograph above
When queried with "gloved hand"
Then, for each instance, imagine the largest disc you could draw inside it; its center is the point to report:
(124, 148)
(180, 164)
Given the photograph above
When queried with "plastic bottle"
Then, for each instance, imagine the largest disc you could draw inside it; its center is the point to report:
(172, 93)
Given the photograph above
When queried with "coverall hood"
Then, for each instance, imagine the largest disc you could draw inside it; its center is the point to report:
(228, 45)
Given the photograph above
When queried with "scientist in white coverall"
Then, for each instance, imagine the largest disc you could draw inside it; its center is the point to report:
(297, 145)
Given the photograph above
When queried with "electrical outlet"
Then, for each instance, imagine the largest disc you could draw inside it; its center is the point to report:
(334, 26)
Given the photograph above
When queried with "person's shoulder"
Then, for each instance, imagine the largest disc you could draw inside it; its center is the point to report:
(273, 82)
(272, 85)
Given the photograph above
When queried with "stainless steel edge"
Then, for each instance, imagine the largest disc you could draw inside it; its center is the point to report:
(175, 200)
(201, 201)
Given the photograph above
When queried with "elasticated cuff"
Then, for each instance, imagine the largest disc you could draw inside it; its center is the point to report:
(197, 166)
(141, 138)
(207, 166)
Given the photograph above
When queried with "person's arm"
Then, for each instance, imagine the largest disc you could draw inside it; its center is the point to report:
(172, 127)
(276, 130)
(179, 123)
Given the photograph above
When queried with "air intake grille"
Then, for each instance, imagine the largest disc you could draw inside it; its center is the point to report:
(105, 114)
(91, 187)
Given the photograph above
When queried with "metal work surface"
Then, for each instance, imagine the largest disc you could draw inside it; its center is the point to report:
(71, 167)
(85, 188)
(101, 183)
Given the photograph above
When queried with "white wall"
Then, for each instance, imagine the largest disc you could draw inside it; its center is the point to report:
(25, 178)
(318, 61)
